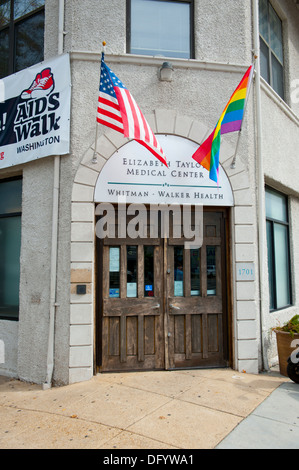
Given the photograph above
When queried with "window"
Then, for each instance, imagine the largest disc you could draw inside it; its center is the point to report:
(10, 243)
(278, 249)
(21, 34)
(160, 28)
(271, 46)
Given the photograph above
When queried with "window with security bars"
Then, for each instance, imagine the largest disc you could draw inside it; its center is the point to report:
(160, 28)
(277, 223)
(271, 47)
(21, 34)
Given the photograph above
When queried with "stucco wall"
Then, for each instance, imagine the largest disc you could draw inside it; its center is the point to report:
(35, 269)
(217, 36)
(199, 91)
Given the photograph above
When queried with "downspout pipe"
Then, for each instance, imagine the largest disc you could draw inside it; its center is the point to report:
(54, 247)
(260, 177)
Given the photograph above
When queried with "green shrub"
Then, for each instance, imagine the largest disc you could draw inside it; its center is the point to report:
(292, 326)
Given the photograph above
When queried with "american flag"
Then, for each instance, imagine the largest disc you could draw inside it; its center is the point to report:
(118, 109)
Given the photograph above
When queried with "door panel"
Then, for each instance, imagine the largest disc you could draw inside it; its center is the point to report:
(195, 302)
(132, 312)
(161, 305)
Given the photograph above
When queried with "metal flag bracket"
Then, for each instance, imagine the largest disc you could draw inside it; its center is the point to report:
(95, 158)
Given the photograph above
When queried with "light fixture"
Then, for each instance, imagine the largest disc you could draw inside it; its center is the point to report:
(166, 72)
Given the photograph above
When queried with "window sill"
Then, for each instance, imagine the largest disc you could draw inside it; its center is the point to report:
(274, 310)
(9, 318)
(279, 101)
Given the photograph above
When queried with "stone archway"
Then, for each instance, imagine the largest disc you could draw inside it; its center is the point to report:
(81, 363)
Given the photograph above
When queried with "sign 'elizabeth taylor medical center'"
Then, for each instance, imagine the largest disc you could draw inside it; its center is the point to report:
(133, 174)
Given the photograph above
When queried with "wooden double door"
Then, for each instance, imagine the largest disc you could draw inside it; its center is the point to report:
(160, 305)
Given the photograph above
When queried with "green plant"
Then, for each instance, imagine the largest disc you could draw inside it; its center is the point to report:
(291, 326)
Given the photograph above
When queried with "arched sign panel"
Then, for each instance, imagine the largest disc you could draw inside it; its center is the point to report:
(134, 174)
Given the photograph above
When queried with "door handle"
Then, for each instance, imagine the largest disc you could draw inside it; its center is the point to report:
(156, 306)
(175, 307)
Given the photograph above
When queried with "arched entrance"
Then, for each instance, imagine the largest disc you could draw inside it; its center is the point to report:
(161, 300)
(85, 335)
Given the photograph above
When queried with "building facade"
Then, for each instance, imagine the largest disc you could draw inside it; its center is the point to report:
(74, 304)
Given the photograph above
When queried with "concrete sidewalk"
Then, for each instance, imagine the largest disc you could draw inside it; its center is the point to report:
(188, 409)
(273, 425)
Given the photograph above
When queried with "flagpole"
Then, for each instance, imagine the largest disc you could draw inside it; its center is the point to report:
(95, 158)
(261, 220)
(233, 163)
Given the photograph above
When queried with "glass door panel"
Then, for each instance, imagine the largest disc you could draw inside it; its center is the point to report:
(149, 271)
(114, 271)
(178, 271)
(211, 270)
(131, 271)
(195, 271)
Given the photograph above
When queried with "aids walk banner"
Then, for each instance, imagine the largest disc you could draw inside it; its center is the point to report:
(35, 112)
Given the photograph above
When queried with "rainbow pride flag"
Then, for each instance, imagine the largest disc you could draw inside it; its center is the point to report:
(230, 121)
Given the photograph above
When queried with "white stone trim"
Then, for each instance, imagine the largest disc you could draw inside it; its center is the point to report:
(83, 240)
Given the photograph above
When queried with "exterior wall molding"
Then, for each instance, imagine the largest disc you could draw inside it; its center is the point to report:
(279, 101)
(134, 59)
(82, 308)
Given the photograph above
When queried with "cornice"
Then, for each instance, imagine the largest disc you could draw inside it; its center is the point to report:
(157, 61)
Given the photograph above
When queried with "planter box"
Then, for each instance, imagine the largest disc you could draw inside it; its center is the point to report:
(284, 341)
